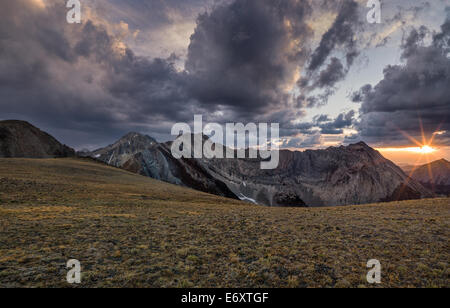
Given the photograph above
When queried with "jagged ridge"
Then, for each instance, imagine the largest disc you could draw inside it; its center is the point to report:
(355, 174)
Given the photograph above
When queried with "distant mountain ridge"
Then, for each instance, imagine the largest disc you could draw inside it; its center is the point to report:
(20, 139)
(356, 174)
(435, 176)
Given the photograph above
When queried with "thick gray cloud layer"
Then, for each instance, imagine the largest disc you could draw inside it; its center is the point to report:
(243, 61)
(247, 61)
(80, 78)
(411, 97)
(246, 54)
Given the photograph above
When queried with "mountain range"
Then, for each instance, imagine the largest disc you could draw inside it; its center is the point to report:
(354, 174)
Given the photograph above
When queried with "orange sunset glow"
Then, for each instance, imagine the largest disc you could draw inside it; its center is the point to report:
(422, 152)
(419, 150)
(415, 155)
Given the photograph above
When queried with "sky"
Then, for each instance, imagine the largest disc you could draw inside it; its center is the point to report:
(317, 67)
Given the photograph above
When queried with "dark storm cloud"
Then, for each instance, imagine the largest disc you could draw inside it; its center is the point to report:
(321, 124)
(413, 41)
(305, 128)
(413, 96)
(334, 73)
(246, 54)
(358, 96)
(336, 127)
(303, 143)
(341, 35)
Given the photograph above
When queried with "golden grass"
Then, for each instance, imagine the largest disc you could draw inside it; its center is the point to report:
(132, 231)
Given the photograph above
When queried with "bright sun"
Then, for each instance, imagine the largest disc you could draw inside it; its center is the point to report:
(425, 150)
(420, 152)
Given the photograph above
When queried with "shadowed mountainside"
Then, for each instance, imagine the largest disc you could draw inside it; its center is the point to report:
(21, 139)
(435, 176)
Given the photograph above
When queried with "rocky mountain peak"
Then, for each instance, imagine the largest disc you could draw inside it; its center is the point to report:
(136, 137)
(127, 146)
(360, 146)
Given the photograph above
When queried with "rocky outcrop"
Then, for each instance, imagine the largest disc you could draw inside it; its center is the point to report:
(22, 140)
(356, 174)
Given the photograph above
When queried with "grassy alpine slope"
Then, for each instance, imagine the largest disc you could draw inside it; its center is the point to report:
(132, 231)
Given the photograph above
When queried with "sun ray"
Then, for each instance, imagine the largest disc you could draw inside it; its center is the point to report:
(430, 174)
(412, 139)
(410, 176)
(424, 148)
(422, 132)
